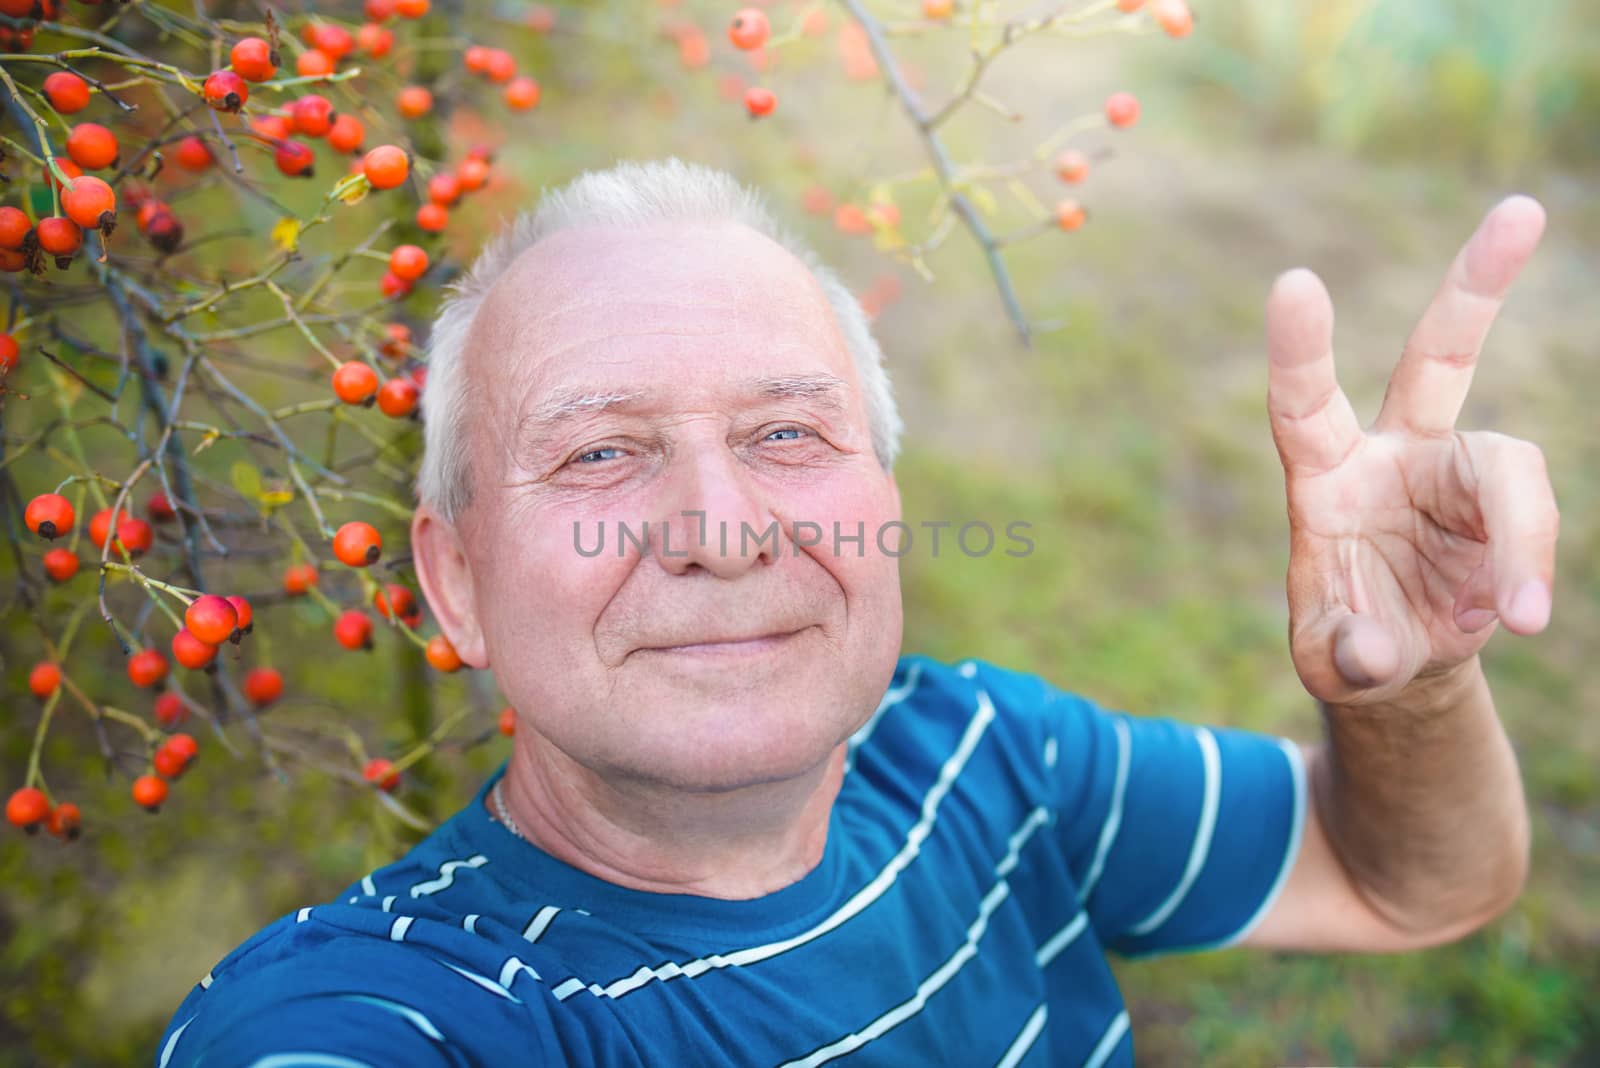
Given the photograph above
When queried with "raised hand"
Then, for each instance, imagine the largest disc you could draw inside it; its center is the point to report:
(1409, 539)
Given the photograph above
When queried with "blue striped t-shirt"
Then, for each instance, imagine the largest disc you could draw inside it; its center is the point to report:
(993, 838)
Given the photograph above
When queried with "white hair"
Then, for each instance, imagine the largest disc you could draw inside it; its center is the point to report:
(627, 194)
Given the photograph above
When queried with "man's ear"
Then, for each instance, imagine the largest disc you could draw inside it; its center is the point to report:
(446, 577)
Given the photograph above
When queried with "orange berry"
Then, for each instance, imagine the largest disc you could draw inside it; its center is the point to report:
(224, 90)
(379, 10)
(433, 218)
(1128, 7)
(27, 808)
(346, 134)
(1173, 16)
(850, 219)
(937, 9)
(49, 515)
(411, 9)
(398, 398)
(508, 721)
(759, 101)
(60, 237)
(60, 564)
(444, 189)
(500, 65)
(1122, 109)
(749, 28)
(386, 166)
(90, 203)
(442, 655)
(380, 773)
(14, 229)
(193, 154)
(1070, 215)
(262, 686)
(397, 340)
(357, 544)
(354, 382)
(476, 58)
(67, 93)
(334, 40)
(408, 262)
(313, 63)
(272, 127)
(414, 101)
(353, 629)
(312, 115)
(397, 600)
(92, 146)
(522, 94)
(816, 200)
(252, 59)
(472, 174)
(211, 619)
(170, 710)
(1071, 165)
(147, 668)
(149, 791)
(190, 651)
(65, 821)
(43, 679)
(298, 578)
(375, 40)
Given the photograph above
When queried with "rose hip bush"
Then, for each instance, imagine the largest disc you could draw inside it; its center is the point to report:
(223, 228)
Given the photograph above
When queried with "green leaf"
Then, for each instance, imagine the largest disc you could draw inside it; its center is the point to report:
(246, 479)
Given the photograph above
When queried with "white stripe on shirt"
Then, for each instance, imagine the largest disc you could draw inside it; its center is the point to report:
(1108, 832)
(1025, 1039)
(1201, 848)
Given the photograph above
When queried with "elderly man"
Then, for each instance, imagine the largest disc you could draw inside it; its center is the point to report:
(739, 828)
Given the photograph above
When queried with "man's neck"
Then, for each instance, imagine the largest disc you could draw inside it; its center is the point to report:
(736, 844)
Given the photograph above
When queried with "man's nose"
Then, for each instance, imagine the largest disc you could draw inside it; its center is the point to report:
(717, 517)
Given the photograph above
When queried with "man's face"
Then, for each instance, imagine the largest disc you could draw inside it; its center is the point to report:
(633, 375)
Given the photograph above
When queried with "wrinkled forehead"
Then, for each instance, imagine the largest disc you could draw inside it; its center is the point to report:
(680, 302)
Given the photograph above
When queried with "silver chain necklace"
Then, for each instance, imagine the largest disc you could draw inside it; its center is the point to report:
(500, 807)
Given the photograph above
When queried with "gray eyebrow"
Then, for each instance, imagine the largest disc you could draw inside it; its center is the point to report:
(565, 403)
(827, 390)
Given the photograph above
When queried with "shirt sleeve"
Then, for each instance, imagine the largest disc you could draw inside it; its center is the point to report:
(1178, 836)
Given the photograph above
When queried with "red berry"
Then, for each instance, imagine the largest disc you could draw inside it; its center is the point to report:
(408, 262)
(749, 29)
(1173, 16)
(476, 57)
(245, 618)
(442, 655)
(346, 134)
(90, 203)
(398, 398)
(211, 619)
(312, 115)
(443, 189)
(379, 10)
(185, 746)
(1122, 109)
(392, 286)
(386, 166)
(44, 679)
(357, 544)
(170, 710)
(67, 92)
(397, 599)
(354, 382)
(411, 9)
(225, 90)
(149, 791)
(262, 686)
(135, 534)
(1070, 215)
(65, 821)
(168, 763)
(298, 578)
(92, 146)
(60, 237)
(380, 773)
(190, 651)
(60, 564)
(27, 808)
(147, 667)
(10, 351)
(193, 154)
(433, 218)
(353, 629)
(1071, 165)
(253, 60)
(375, 40)
(295, 159)
(15, 227)
(313, 63)
(334, 40)
(508, 721)
(499, 65)
(49, 515)
(397, 340)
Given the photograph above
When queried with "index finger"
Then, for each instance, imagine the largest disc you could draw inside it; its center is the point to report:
(1430, 383)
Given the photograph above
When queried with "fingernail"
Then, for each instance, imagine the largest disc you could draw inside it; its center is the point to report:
(1531, 605)
(1474, 619)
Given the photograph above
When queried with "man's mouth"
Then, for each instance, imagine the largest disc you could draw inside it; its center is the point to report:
(728, 644)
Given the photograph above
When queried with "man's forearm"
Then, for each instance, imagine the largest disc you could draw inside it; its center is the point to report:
(1422, 800)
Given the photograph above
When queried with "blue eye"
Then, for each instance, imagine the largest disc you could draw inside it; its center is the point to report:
(796, 431)
(595, 455)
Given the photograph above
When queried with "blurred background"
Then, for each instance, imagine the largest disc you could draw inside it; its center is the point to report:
(1361, 138)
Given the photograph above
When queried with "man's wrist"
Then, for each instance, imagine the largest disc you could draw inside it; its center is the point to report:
(1429, 694)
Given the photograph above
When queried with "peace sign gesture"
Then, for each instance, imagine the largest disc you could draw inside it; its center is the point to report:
(1409, 539)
